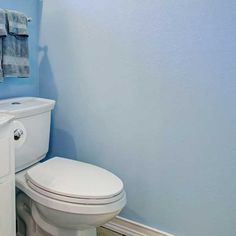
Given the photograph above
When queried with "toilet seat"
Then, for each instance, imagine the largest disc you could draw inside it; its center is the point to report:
(66, 203)
(74, 179)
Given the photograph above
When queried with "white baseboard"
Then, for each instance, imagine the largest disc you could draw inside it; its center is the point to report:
(130, 228)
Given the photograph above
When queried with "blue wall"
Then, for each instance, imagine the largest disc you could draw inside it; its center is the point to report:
(147, 89)
(13, 87)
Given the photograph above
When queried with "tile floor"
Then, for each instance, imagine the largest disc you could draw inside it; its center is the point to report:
(100, 232)
(105, 232)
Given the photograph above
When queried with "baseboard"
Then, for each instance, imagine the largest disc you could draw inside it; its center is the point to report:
(130, 228)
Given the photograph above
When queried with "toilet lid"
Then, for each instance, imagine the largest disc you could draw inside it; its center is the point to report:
(74, 179)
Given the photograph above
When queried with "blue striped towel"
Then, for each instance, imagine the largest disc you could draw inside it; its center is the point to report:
(15, 56)
(17, 23)
(3, 30)
(15, 46)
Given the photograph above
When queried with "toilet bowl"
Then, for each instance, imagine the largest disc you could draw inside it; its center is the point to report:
(59, 197)
(81, 198)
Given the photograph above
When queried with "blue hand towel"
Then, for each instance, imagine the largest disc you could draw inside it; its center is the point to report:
(15, 56)
(15, 46)
(3, 33)
(17, 23)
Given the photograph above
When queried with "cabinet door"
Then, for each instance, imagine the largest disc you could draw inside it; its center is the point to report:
(7, 205)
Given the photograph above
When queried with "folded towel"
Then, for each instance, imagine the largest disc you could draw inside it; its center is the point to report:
(15, 52)
(15, 56)
(17, 23)
(3, 33)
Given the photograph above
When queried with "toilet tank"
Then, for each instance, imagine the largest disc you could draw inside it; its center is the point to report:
(31, 128)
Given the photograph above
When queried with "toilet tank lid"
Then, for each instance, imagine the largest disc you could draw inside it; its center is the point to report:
(26, 106)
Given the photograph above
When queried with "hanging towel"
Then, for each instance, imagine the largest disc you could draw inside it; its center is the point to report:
(17, 23)
(15, 56)
(15, 62)
(3, 33)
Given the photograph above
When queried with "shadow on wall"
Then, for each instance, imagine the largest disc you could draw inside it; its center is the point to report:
(61, 139)
(132, 213)
(67, 145)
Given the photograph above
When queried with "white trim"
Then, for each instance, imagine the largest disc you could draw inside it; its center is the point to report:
(131, 228)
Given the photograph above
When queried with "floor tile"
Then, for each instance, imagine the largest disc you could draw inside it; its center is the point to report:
(105, 232)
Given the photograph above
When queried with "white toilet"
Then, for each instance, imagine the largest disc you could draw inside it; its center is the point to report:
(61, 197)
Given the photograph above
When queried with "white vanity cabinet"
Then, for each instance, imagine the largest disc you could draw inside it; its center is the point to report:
(7, 177)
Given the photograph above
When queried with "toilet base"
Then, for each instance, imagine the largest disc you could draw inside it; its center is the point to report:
(28, 214)
(41, 232)
(57, 231)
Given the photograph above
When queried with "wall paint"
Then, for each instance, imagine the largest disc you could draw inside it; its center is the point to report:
(13, 87)
(147, 89)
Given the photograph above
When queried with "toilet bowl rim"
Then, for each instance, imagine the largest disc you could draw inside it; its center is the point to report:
(85, 209)
(73, 200)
